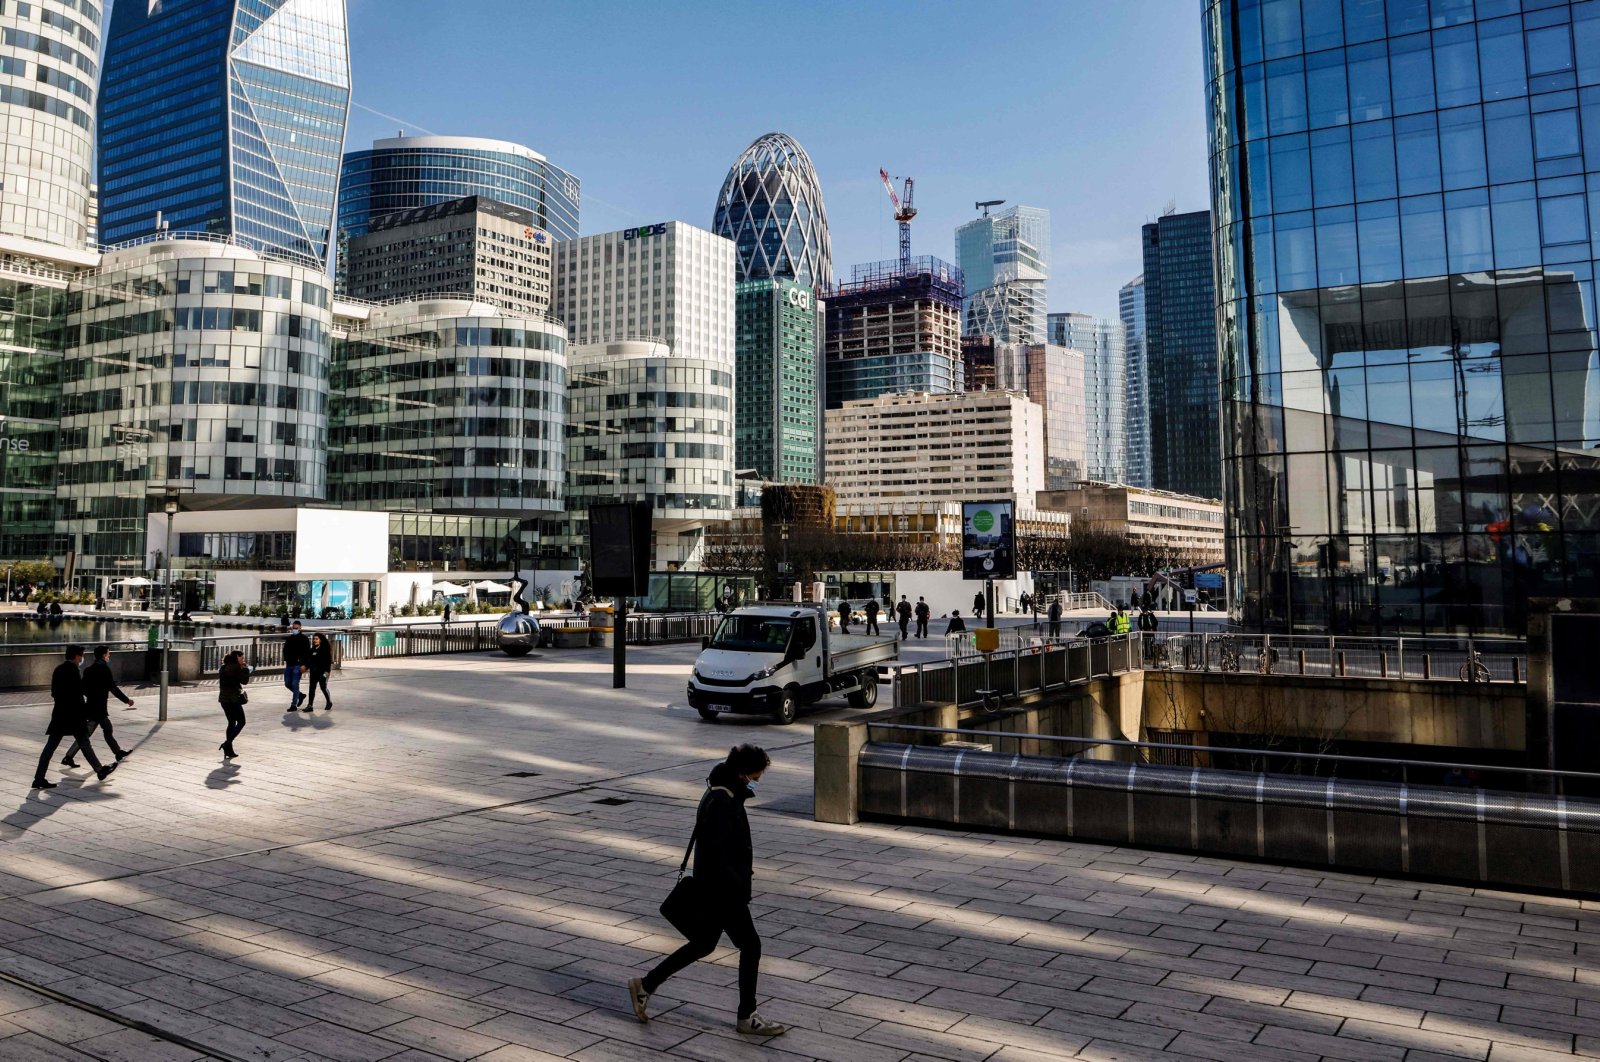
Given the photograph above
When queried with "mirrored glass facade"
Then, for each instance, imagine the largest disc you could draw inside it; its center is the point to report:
(411, 172)
(31, 338)
(225, 116)
(1130, 308)
(1181, 356)
(1106, 389)
(771, 207)
(1005, 258)
(194, 364)
(450, 408)
(1406, 212)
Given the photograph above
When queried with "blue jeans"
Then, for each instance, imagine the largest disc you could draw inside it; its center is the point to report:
(291, 679)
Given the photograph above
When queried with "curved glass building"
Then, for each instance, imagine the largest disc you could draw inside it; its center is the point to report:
(408, 172)
(1405, 202)
(49, 74)
(771, 207)
(225, 116)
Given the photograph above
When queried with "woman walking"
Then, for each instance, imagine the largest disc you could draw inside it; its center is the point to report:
(724, 864)
(234, 675)
(320, 664)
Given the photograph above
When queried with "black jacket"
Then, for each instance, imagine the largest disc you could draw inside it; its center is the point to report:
(320, 660)
(70, 714)
(233, 678)
(903, 609)
(99, 686)
(724, 861)
(957, 626)
(923, 611)
(296, 650)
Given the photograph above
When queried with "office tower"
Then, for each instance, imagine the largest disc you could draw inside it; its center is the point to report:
(1105, 389)
(1181, 355)
(50, 61)
(190, 363)
(241, 133)
(489, 437)
(1405, 311)
(965, 446)
(771, 207)
(1130, 305)
(1055, 379)
(651, 311)
(479, 248)
(894, 329)
(1005, 258)
(409, 172)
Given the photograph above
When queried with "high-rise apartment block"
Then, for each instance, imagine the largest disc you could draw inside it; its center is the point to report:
(1055, 379)
(770, 206)
(971, 446)
(240, 134)
(1130, 306)
(1106, 389)
(1005, 259)
(476, 247)
(1181, 353)
(1405, 247)
(894, 329)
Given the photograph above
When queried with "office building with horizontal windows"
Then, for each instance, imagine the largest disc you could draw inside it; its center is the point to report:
(1404, 237)
(227, 117)
(1130, 308)
(49, 81)
(1005, 259)
(894, 327)
(410, 172)
(479, 248)
(1105, 389)
(778, 427)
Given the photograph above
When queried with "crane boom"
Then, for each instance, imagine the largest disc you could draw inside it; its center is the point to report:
(888, 186)
(903, 213)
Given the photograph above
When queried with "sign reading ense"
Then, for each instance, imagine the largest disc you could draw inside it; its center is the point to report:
(643, 231)
(15, 445)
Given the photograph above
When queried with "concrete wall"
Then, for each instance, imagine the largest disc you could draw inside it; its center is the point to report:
(33, 670)
(1448, 714)
(947, 590)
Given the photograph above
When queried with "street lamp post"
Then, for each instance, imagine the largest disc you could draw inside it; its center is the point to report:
(170, 507)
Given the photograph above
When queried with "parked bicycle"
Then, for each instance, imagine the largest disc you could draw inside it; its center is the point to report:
(1474, 670)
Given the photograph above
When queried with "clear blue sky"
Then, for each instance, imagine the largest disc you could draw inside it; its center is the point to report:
(1095, 110)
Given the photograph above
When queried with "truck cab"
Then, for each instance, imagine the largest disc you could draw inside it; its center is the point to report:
(771, 659)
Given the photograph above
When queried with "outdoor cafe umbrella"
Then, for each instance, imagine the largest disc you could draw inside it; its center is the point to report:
(137, 580)
(490, 586)
(449, 589)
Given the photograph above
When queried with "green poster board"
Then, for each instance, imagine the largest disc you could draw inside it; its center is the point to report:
(385, 640)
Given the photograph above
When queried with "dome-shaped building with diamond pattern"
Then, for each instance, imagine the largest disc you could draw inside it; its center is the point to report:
(771, 207)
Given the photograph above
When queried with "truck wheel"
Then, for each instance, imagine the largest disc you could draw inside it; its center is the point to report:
(707, 715)
(867, 695)
(786, 709)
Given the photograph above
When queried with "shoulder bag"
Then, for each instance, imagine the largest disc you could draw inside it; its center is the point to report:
(685, 906)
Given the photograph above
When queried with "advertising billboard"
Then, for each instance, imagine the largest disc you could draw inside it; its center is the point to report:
(988, 540)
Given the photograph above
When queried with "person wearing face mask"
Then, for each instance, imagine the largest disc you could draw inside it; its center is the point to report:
(724, 866)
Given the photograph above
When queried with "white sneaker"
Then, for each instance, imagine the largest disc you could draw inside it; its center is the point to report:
(756, 1025)
(639, 998)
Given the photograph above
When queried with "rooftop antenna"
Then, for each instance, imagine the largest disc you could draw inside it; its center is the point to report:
(986, 204)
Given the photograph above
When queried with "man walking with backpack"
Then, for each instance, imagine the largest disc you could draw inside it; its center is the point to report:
(724, 867)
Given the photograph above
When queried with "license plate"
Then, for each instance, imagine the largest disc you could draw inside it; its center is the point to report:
(720, 707)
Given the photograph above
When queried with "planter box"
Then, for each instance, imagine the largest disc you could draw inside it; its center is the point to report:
(572, 637)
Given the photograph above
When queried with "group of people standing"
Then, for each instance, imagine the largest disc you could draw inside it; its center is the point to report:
(81, 697)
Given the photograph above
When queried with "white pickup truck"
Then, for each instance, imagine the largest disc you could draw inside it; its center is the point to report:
(771, 659)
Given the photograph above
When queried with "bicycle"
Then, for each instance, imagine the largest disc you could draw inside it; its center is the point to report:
(1228, 654)
(1475, 670)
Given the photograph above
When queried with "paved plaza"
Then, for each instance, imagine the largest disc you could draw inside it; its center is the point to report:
(464, 860)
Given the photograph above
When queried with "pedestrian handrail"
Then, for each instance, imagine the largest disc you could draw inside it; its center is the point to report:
(1438, 658)
(990, 678)
(1264, 753)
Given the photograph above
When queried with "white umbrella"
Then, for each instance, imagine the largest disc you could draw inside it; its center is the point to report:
(492, 587)
(449, 589)
(137, 580)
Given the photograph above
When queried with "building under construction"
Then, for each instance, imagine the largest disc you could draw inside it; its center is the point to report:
(894, 327)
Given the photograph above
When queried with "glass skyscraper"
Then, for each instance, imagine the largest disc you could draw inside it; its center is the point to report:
(1130, 307)
(1105, 389)
(1005, 259)
(1406, 213)
(1181, 356)
(770, 206)
(225, 116)
(409, 172)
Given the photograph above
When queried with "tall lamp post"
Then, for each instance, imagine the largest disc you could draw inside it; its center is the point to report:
(169, 505)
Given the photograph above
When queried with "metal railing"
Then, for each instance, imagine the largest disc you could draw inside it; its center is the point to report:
(1435, 658)
(265, 651)
(1154, 751)
(991, 678)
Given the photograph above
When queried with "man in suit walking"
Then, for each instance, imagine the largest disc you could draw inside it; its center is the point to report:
(69, 718)
(923, 614)
(99, 686)
(296, 656)
(902, 613)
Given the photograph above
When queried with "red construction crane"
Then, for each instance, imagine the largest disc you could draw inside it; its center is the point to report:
(903, 213)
